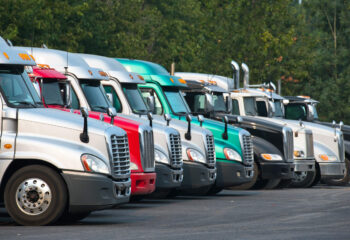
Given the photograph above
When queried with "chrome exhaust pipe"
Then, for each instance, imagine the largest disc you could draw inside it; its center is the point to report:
(235, 68)
(245, 69)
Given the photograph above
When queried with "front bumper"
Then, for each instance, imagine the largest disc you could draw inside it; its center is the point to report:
(197, 177)
(275, 170)
(143, 183)
(88, 192)
(231, 174)
(334, 170)
(303, 165)
(168, 178)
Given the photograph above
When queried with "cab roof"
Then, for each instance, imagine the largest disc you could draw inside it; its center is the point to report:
(60, 60)
(221, 81)
(300, 99)
(112, 67)
(153, 72)
(11, 56)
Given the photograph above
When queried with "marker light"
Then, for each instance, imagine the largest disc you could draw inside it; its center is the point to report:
(298, 153)
(6, 56)
(271, 157)
(141, 78)
(131, 76)
(102, 73)
(181, 80)
(43, 65)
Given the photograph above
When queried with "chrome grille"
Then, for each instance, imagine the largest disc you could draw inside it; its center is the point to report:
(341, 147)
(210, 150)
(147, 150)
(288, 144)
(309, 145)
(247, 149)
(176, 150)
(120, 165)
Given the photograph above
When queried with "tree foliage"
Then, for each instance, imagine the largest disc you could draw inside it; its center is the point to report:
(305, 45)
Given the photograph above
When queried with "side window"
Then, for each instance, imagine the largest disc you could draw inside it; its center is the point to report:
(196, 102)
(75, 101)
(116, 102)
(147, 92)
(262, 111)
(235, 107)
(295, 112)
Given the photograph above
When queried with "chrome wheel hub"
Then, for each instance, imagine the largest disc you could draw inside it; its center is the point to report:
(33, 196)
(299, 176)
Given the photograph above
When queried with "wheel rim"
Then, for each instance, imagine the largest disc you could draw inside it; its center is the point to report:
(300, 176)
(33, 196)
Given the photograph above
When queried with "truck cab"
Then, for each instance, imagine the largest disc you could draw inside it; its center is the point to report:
(198, 156)
(328, 143)
(233, 146)
(304, 108)
(84, 90)
(46, 164)
(204, 96)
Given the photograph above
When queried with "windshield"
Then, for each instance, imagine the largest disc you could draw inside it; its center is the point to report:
(95, 95)
(219, 103)
(17, 88)
(52, 93)
(250, 106)
(135, 99)
(278, 108)
(177, 102)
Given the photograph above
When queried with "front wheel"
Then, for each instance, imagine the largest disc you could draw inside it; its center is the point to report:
(35, 195)
(342, 181)
(303, 179)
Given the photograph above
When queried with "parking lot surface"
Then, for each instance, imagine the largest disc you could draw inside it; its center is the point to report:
(321, 212)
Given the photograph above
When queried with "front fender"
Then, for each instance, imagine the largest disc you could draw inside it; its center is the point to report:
(319, 149)
(261, 146)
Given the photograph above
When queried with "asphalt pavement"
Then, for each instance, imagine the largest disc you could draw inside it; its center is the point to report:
(319, 213)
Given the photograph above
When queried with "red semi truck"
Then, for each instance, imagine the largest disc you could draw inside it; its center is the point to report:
(140, 136)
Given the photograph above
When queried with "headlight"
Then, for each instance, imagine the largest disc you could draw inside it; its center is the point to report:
(133, 166)
(94, 164)
(271, 157)
(160, 157)
(231, 154)
(194, 155)
(326, 157)
(299, 153)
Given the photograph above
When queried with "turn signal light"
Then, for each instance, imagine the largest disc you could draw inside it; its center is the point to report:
(324, 157)
(266, 156)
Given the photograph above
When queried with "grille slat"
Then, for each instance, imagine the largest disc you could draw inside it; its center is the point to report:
(176, 150)
(248, 153)
(309, 145)
(120, 164)
(210, 150)
(288, 144)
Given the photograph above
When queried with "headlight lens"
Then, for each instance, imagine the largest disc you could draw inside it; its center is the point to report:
(133, 166)
(231, 154)
(195, 155)
(94, 164)
(271, 157)
(326, 157)
(299, 153)
(160, 157)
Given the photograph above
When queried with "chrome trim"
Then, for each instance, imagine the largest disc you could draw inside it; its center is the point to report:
(210, 150)
(246, 147)
(175, 149)
(341, 147)
(147, 148)
(288, 144)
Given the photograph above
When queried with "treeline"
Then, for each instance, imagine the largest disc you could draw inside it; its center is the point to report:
(304, 43)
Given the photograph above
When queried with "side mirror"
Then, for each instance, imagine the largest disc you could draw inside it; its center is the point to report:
(150, 118)
(151, 103)
(188, 134)
(84, 136)
(228, 104)
(310, 113)
(341, 124)
(334, 124)
(209, 104)
(272, 109)
(37, 87)
(167, 118)
(68, 96)
(112, 113)
(110, 97)
(200, 119)
(225, 135)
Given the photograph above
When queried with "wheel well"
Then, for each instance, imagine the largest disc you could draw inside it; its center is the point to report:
(20, 163)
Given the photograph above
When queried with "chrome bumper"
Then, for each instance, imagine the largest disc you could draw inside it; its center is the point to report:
(332, 170)
(304, 165)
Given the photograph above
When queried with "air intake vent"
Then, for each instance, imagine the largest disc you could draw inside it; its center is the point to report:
(210, 150)
(176, 150)
(247, 149)
(147, 150)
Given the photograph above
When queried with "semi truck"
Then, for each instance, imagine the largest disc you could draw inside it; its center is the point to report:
(233, 146)
(304, 108)
(273, 157)
(47, 169)
(198, 154)
(85, 81)
(328, 143)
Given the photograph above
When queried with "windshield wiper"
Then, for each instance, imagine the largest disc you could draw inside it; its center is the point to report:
(142, 111)
(100, 107)
(26, 103)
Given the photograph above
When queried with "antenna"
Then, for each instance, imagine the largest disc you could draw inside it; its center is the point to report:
(66, 67)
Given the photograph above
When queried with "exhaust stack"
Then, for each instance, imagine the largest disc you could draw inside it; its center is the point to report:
(245, 69)
(235, 68)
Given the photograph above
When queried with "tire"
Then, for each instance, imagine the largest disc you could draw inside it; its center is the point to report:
(214, 190)
(272, 183)
(137, 198)
(252, 184)
(284, 183)
(303, 179)
(45, 197)
(342, 181)
(318, 175)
